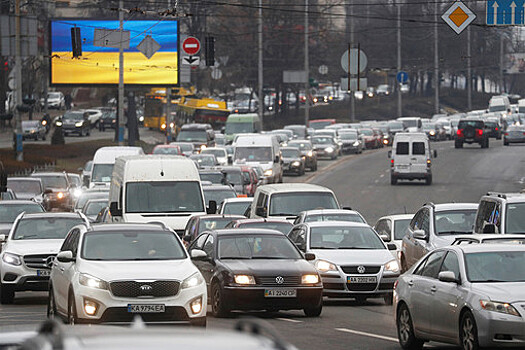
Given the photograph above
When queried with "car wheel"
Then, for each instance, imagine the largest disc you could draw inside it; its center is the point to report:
(405, 330)
(468, 332)
(458, 144)
(44, 137)
(88, 132)
(71, 311)
(51, 306)
(505, 143)
(389, 299)
(218, 304)
(314, 311)
(487, 143)
(393, 180)
(428, 180)
(7, 294)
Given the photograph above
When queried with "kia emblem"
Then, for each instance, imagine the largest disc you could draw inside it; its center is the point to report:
(146, 288)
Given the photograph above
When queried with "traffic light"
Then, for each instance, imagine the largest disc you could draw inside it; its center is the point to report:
(76, 42)
(209, 50)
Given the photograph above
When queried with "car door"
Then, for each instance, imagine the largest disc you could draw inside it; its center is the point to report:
(418, 159)
(199, 244)
(409, 242)
(402, 156)
(207, 267)
(59, 279)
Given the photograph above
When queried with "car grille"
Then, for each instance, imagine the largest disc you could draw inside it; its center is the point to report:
(334, 286)
(272, 281)
(361, 287)
(41, 261)
(136, 289)
(350, 270)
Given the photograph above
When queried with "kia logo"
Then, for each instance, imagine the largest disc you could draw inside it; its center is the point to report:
(279, 280)
(361, 269)
(146, 288)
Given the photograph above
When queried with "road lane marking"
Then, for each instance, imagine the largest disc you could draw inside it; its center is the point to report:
(365, 334)
(382, 175)
(288, 320)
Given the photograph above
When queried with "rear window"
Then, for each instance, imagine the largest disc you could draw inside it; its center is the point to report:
(418, 148)
(473, 123)
(402, 148)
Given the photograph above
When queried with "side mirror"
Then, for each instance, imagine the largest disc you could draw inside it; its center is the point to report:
(197, 254)
(489, 228)
(391, 246)
(420, 234)
(3, 238)
(212, 207)
(347, 208)
(309, 256)
(80, 169)
(389, 154)
(435, 153)
(276, 160)
(65, 256)
(385, 238)
(114, 210)
(187, 239)
(447, 276)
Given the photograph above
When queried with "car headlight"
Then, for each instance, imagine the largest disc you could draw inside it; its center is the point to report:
(92, 282)
(141, 119)
(296, 163)
(58, 123)
(310, 279)
(310, 154)
(78, 124)
(203, 147)
(77, 192)
(192, 281)
(268, 172)
(432, 132)
(12, 259)
(392, 266)
(329, 149)
(244, 279)
(504, 308)
(163, 126)
(44, 122)
(60, 195)
(356, 143)
(325, 266)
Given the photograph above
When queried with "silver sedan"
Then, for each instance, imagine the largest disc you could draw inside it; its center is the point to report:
(472, 296)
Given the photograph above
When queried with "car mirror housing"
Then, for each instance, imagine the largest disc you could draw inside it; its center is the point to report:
(489, 228)
(391, 246)
(197, 254)
(212, 207)
(309, 256)
(3, 238)
(65, 256)
(447, 276)
(420, 234)
(389, 154)
(114, 210)
(385, 237)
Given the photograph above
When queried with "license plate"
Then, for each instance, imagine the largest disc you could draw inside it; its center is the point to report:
(146, 309)
(361, 279)
(43, 273)
(280, 293)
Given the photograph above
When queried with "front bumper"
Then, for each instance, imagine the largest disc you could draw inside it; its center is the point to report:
(348, 147)
(411, 176)
(501, 330)
(336, 286)
(63, 203)
(290, 168)
(252, 298)
(324, 153)
(22, 278)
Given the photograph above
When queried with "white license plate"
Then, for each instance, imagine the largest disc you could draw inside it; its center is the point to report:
(280, 293)
(361, 279)
(43, 273)
(146, 309)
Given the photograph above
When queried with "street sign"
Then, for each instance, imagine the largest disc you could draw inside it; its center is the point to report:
(402, 77)
(191, 45)
(323, 69)
(294, 76)
(216, 74)
(28, 36)
(458, 17)
(148, 46)
(191, 60)
(505, 12)
(363, 61)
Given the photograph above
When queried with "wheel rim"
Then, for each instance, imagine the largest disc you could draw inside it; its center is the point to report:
(216, 300)
(404, 326)
(468, 337)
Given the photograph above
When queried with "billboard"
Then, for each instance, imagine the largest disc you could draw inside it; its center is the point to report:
(99, 62)
(515, 63)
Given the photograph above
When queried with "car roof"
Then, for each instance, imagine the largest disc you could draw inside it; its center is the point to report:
(17, 202)
(216, 187)
(294, 187)
(455, 206)
(246, 231)
(509, 197)
(330, 211)
(397, 216)
(143, 227)
(335, 224)
(488, 247)
(483, 236)
(262, 220)
(238, 200)
(21, 178)
(57, 215)
(52, 173)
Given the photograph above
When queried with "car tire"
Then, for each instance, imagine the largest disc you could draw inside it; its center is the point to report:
(314, 311)
(389, 299)
(487, 143)
(51, 305)
(458, 144)
(7, 294)
(44, 137)
(405, 330)
(218, 304)
(393, 180)
(505, 143)
(468, 332)
(88, 133)
(428, 180)
(71, 311)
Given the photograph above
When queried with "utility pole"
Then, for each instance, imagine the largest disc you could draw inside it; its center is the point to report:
(399, 65)
(18, 86)
(436, 59)
(469, 71)
(260, 66)
(501, 53)
(168, 106)
(350, 17)
(306, 66)
(121, 120)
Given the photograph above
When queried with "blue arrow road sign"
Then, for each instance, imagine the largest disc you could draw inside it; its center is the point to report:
(402, 77)
(505, 12)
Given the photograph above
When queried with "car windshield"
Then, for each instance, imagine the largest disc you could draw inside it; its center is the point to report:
(292, 203)
(395, 126)
(84, 197)
(334, 217)
(53, 95)
(204, 159)
(9, 212)
(214, 178)
(75, 180)
(25, 186)
(409, 123)
(301, 145)
(320, 124)
(166, 150)
(400, 228)
(340, 237)
(213, 223)
(93, 208)
(192, 136)
(102, 172)
(516, 128)
(253, 154)
(473, 123)
(366, 132)
(348, 136)
(45, 228)
(495, 266)
(257, 247)
(217, 152)
(321, 140)
(28, 124)
(429, 126)
(131, 245)
(218, 195)
(455, 222)
(283, 227)
(235, 208)
(53, 181)
(185, 147)
(73, 116)
(163, 197)
(238, 128)
(515, 220)
(234, 177)
(291, 153)
(299, 131)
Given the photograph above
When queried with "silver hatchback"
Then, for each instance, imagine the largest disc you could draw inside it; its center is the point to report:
(472, 296)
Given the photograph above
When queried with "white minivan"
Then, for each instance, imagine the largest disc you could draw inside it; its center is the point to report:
(411, 158)
(160, 188)
(103, 163)
(260, 149)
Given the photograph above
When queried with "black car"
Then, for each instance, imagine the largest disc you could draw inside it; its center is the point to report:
(218, 193)
(75, 123)
(216, 177)
(471, 131)
(293, 161)
(307, 151)
(108, 120)
(325, 146)
(57, 190)
(493, 129)
(256, 269)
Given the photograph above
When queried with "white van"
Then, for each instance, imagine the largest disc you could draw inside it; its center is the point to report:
(260, 149)
(412, 124)
(411, 158)
(499, 104)
(103, 163)
(156, 188)
(521, 105)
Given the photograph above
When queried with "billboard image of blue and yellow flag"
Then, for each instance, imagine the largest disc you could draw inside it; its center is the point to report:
(99, 65)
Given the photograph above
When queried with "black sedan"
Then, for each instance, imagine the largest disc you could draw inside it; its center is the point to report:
(256, 269)
(293, 161)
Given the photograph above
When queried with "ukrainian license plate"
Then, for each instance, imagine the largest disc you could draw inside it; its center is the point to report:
(43, 273)
(280, 293)
(146, 308)
(372, 279)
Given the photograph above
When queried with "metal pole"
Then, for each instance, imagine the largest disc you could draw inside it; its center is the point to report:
(18, 86)
(121, 122)
(501, 52)
(260, 64)
(306, 66)
(399, 65)
(436, 59)
(169, 119)
(352, 94)
(469, 72)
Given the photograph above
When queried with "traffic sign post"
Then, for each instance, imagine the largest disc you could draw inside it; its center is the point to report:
(353, 61)
(505, 12)
(458, 17)
(402, 77)
(191, 46)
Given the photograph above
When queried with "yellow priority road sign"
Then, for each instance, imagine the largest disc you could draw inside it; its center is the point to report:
(458, 17)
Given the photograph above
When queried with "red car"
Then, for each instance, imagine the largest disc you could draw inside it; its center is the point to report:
(369, 137)
(250, 180)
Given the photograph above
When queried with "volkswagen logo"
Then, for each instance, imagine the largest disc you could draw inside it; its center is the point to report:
(146, 288)
(361, 269)
(49, 261)
(279, 280)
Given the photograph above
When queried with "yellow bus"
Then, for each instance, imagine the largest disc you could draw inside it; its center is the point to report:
(202, 110)
(155, 106)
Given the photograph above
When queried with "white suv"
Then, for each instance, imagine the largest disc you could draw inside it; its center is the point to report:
(111, 273)
(29, 250)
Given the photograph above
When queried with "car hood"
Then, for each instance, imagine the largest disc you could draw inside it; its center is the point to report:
(503, 292)
(139, 270)
(443, 241)
(33, 246)
(322, 146)
(264, 165)
(289, 160)
(25, 195)
(354, 256)
(269, 267)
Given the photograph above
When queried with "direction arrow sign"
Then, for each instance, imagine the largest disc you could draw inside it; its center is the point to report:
(505, 12)
(458, 17)
(402, 77)
(191, 45)
(191, 60)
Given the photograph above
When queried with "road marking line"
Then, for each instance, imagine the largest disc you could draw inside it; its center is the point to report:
(288, 320)
(365, 334)
(382, 175)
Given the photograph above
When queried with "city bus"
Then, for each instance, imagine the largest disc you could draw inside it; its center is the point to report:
(202, 110)
(156, 102)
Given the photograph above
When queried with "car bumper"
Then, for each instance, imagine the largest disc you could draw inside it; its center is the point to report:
(70, 129)
(336, 286)
(57, 203)
(514, 140)
(22, 278)
(411, 176)
(253, 298)
(287, 168)
(501, 330)
(323, 153)
(350, 148)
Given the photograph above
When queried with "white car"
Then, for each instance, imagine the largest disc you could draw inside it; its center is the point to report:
(94, 116)
(111, 273)
(392, 229)
(29, 250)
(54, 100)
(220, 154)
(235, 206)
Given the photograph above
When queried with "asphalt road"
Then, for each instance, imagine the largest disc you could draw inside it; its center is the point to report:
(363, 183)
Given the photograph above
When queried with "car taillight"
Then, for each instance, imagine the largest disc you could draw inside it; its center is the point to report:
(506, 134)
(460, 133)
(395, 284)
(479, 132)
(392, 163)
(496, 128)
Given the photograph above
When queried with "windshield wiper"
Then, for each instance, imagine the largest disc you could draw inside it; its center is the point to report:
(235, 257)
(454, 233)
(269, 257)
(284, 214)
(323, 248)
(490, 281)
(356, 248)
